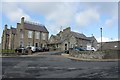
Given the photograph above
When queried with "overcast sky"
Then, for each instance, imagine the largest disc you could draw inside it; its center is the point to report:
(83, 17)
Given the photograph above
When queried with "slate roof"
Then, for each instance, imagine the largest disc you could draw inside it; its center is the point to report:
(35, 27)
(78, 35)
(56, 39)
(91, 38)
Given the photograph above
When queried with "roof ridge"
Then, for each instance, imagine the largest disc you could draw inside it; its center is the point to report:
(34, 27)
(33, 23)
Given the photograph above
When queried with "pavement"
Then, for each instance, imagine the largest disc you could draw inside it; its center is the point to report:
(36, 54)
(56, 66)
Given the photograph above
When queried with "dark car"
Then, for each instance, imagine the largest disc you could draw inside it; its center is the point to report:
(78, 49)
(39, 49)
(66, 51)
(21, 50)
(45, 49)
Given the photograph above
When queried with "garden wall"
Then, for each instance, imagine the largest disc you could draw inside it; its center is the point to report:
(110, 54)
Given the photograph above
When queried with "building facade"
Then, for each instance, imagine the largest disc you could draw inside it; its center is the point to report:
(68, 39)
(111, 45)
(26, 34)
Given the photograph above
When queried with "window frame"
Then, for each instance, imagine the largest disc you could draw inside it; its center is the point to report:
(30, 33)
(37, 35)
(43, 36)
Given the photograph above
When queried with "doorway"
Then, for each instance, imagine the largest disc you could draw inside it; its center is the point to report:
(65, 46)
(36, 44)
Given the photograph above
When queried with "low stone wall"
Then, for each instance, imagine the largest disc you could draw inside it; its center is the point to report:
(95, 54)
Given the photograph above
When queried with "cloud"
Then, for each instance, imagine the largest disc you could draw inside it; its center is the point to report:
(60, 0)
(106, 39)
(109, 22)
(87, 17)
(63, 15)
(13, 12)
(112, 22)
(58, 14)
(55, 14)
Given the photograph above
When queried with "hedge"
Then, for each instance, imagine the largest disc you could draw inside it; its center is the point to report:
(7, 51)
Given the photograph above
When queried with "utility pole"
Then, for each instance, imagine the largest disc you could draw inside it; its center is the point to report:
(101, 38)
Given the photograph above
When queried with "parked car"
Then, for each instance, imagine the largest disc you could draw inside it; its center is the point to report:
(21, 50)
(66, 51)
(45, 49)
(33, 48)
(78, 49)
(39, 49)
(91, 49)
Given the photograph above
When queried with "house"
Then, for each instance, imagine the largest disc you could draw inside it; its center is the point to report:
(68, 39)
(112, 45)
(26, 34)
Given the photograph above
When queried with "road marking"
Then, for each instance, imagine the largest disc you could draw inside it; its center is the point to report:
(72, 68)
(56, 68)
(32, 67)
(43, 67)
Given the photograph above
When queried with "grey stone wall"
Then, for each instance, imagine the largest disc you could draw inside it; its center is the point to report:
(95, 54)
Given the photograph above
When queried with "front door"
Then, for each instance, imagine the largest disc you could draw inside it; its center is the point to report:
(36, 44)
(65, 46)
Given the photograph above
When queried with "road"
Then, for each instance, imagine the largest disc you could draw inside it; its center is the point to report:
(56, 66)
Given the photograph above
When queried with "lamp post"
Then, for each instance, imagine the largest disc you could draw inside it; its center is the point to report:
(101, 38)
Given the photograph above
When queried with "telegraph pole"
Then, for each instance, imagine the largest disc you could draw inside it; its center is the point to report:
(101, 38)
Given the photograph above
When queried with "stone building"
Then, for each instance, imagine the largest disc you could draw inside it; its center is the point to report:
(26, 34)
(68, 39)
(111, 45)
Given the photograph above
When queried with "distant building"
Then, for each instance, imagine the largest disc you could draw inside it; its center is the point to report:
(112, 45)
(26, 34)
(68, 39)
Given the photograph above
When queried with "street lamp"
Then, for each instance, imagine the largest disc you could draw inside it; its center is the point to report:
(101, 38)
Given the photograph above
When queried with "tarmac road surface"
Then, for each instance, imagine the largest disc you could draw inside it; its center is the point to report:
(56, 66)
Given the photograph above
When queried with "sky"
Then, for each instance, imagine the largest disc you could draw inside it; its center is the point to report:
(85, 17)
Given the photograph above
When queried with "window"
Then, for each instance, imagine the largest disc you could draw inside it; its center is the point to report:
(21, 44)
(29, 34)
(37, 35)
(29, 44)
(21, 34)
(43, 36)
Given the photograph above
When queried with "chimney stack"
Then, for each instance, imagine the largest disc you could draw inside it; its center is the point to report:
(6, 27)
(22, 20)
